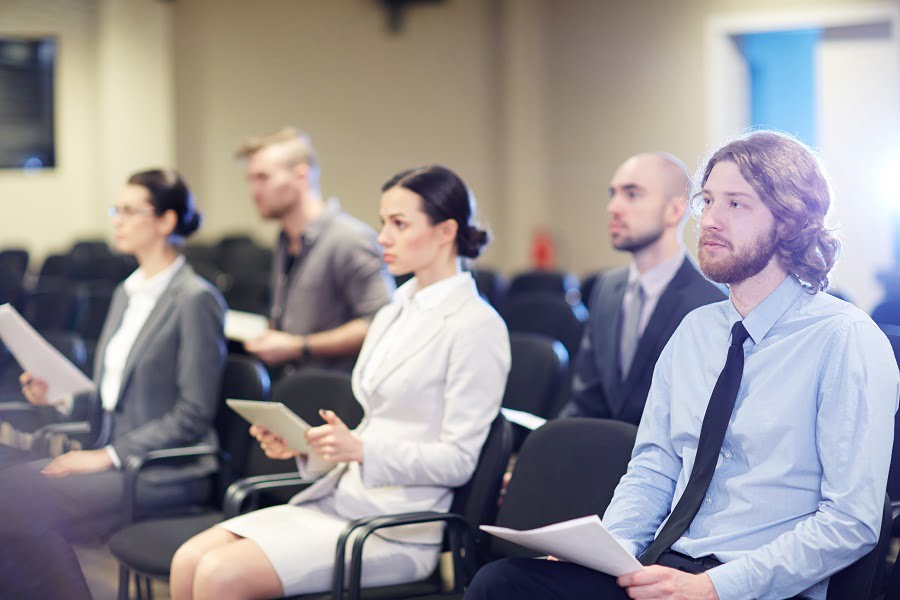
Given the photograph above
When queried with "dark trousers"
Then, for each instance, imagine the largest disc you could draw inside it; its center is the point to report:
(39, 516)
(528, 578)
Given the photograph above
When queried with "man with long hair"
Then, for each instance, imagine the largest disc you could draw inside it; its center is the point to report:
(762, 455)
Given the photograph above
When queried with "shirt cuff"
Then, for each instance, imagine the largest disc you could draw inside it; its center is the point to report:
(113, 456)
(730, 580)
(65, 404)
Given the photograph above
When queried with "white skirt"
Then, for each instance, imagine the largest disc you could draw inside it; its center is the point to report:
(300, 543)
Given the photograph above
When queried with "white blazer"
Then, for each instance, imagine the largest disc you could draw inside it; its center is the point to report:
(427, 414)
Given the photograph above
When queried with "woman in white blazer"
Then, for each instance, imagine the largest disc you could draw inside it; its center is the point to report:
(430, 376)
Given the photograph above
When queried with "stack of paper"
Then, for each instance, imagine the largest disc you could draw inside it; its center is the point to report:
(584, 541)
(242, 326)
(37, 356)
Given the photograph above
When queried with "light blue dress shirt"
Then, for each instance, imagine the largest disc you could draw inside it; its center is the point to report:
(798, 491)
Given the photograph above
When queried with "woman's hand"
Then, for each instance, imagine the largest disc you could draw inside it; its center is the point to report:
(273, 445)
(78, 461)
(34, 389)
(334, 442)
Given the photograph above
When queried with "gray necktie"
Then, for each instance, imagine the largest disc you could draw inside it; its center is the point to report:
(631, 326)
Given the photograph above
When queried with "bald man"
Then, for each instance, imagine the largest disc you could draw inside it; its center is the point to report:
(635, 310)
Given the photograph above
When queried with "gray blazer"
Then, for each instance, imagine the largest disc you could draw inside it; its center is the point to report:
(170, 386)
(597, 389)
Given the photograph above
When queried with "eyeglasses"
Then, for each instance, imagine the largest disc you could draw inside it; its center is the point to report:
(129, 211)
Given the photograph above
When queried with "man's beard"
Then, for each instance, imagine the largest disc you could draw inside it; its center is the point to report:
(738, 267)
(636, 244)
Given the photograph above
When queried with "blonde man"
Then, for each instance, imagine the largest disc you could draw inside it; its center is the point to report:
(328, 279)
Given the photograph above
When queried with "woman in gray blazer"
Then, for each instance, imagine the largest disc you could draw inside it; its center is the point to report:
(430, 376)
(159, 359)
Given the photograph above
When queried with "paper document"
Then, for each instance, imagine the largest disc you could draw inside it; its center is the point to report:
(241, 326)
(584, 541)
(525, 419)
(277, 418)
(37, 356)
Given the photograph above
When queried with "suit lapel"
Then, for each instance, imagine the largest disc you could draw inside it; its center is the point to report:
(608, 335)
(430, 328)
(164, 306)
(658, 325)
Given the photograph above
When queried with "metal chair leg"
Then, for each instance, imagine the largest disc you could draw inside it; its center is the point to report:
(149, 585)
(124, 582)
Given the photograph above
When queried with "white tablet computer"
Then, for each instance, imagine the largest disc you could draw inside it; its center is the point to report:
(277, 418)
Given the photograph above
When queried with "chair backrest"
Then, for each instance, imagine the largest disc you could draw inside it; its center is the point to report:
(305, 392)
(587, 287)
(244, 378)
(887, 313)
(863, 579)
(55, 307)
(547, 314)
(554, 282)
(14, 259)
(552, 482)
(477, 499)
(96, 300)
(492, 286)
(538, 369)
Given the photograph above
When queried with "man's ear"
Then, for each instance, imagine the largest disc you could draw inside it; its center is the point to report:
(301, 172)
(675, 209)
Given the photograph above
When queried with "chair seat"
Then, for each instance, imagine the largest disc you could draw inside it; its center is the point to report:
(148, 547)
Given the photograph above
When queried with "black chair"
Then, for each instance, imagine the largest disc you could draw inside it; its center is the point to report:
(551, 282)
(538, 370)
(12, 286)
(550, 484)
(54, 308)
(146, 548)
(587, 287)
(55, 266)
(250, 294)
(492, 285)
(547, 314)
(887, 313)
(15, 259)
(474, 504)
(863, 580)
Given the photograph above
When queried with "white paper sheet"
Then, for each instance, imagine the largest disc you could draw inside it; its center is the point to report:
(525, 419)
(584, 541)
(37, 356)
(241, 326)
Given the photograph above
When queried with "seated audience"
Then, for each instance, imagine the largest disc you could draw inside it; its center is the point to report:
(635, 310)
(762, 455)
(430, 377)
(328, 279)
(159, 359)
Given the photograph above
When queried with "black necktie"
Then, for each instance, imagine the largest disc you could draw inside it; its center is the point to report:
(712, 433)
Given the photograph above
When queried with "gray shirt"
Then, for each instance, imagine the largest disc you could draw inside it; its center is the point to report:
(338, 276)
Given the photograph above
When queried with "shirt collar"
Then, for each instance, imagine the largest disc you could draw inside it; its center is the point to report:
(434, 294)
(138, 284)
(762, 318)
(655, 280)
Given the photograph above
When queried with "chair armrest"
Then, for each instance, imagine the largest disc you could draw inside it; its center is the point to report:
(244, 490)
(17, 407)
(135, 463)
(895, 510)
(42, 435)
(460, 532)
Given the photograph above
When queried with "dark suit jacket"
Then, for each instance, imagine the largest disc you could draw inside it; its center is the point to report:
(597, 388)
(170, 386)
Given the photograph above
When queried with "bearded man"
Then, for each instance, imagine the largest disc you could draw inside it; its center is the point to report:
(762, 455)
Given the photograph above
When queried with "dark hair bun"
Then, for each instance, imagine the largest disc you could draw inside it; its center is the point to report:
(471, 241)
(189, 222)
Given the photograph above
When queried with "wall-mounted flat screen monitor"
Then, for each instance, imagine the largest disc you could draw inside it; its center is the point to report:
(27, 68)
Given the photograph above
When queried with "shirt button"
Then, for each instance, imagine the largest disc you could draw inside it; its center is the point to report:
(728, 455)
(709, 500)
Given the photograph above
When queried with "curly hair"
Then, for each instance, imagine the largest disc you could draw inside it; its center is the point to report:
(791, 181)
